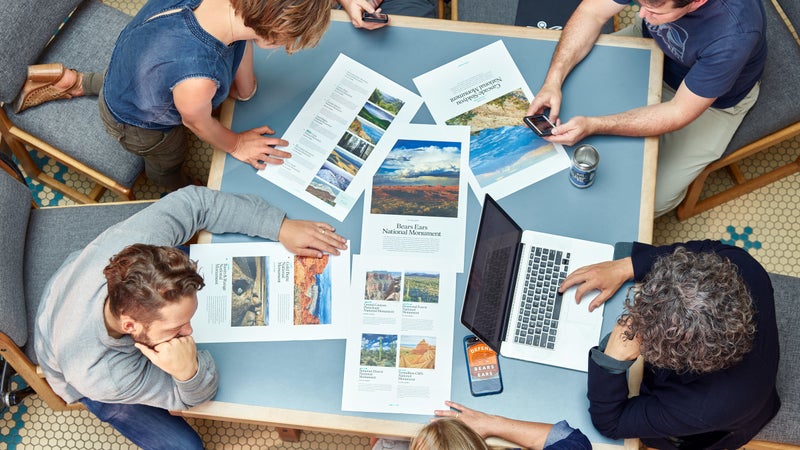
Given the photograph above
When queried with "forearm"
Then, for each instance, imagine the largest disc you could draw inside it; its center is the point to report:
(651, 120)
(530, 435)
(201, 387)
(211, 131)
(244, 85)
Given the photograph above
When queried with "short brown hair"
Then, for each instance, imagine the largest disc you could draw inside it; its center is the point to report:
(301, 23)
(144, 278)
(448, 433)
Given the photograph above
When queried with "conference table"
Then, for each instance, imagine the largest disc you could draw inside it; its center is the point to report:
(298, 384)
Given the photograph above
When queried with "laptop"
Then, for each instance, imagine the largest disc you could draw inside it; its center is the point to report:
(512, 302)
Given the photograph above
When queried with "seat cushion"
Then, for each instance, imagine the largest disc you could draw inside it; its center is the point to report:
(777, 106)
(15, 206)
(784, 427)
(74, 125)
(54, 233)
(792, 10)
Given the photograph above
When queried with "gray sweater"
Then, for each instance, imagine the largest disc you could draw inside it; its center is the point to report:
(76, 353)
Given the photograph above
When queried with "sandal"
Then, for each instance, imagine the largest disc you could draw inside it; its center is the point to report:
(40, 86)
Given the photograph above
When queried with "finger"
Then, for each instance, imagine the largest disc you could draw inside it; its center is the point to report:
(274, 152)
(259, 165)
(309, 252)
(274, 161)
(263, 130)
(599, 300)
(146, 351)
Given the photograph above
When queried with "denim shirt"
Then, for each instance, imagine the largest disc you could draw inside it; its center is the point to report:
(154, 54)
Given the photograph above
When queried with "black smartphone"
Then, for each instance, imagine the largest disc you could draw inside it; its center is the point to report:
(375, 17)
(539, 123)
(483, 367)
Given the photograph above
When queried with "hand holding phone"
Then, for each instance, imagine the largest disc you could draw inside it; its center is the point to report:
(540, 124)
(375, 17)
(483, 367)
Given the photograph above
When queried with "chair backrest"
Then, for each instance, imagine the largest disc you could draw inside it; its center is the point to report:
(25, 29)
(777, 106)
(792, 10)
(551, 14)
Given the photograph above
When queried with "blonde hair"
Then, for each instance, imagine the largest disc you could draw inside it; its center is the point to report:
(297, 24)
(448, 433)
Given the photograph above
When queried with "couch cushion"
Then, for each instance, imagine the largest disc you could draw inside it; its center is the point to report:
(15, 206)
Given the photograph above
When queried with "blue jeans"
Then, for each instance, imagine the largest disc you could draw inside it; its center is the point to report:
(148, 427)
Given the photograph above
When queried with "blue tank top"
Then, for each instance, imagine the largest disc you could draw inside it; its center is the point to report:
(154, 54)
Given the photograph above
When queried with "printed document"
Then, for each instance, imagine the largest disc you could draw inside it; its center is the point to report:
(399, 352)
(486, 91)
(416, 205)
(333, 138)
(262, 292)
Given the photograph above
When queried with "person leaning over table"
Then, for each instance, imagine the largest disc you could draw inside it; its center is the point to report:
(714, 51)
(113, 328)
(703, 320)
(173, 64)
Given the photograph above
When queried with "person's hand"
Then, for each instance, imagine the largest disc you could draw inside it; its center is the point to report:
(478, 421)
(570, 132)
(177, 356)
(355, 8)
(607, 277)
(258, 151)
(305, 238)
(547, 97)
(620, 347)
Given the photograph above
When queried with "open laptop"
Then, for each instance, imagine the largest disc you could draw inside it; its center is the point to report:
(497, 304)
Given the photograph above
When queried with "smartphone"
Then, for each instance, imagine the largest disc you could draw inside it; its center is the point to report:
(539, 123)
(375, 17)
(483, 367)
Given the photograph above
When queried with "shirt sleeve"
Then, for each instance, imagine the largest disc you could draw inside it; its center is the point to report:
(564, 437)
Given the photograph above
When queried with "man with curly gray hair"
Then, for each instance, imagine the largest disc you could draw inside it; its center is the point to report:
(702, 318)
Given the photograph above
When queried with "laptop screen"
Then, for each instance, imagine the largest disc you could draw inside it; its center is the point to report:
(492, 274)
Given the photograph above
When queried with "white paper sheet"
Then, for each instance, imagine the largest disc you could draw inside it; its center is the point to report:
(399, 352)
(486, 91)
(416, 205)
(332, 140)
(262, 292)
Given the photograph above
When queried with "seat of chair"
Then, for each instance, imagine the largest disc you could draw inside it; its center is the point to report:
(75, 124)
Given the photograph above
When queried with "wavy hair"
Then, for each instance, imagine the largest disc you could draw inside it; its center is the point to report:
(144, 278)
(447, 433)
(692, 312)
(301, 23)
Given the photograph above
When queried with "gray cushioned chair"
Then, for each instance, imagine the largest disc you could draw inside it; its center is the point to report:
(69, 131)
(774, 118)
(34, 243)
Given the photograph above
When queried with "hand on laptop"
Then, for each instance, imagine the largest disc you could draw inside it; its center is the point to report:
(606, 277)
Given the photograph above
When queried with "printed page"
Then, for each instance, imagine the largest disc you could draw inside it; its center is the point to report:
(262, 292)
(399, 352)
(333, 139)
(486, 91)
(416, 205)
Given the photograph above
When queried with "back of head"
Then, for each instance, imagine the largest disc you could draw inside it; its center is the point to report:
(448, 433)
(693, 313)
(297, 24)
(144, 278)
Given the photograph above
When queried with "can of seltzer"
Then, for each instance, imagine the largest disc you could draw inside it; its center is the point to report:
(584, 165)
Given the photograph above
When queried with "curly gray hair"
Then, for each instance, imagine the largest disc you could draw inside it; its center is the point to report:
(692, 312)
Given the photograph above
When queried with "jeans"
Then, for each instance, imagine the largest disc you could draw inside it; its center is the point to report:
(148, 427)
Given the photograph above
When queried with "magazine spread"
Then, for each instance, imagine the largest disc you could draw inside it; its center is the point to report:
(416, 205)
(333, 138)
(262, 292)
(486, 91)
(399, 352)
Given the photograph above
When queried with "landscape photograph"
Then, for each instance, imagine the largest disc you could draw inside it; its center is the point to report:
(500, 144)
(355, 145)
(417, 352)
(418, 178)
(323, 191)
(383, 285)
(422, 287)
(335, 176)
(312, 290)
(386, 101)
(379, 350)
(345, 160)
(249, 295)
(370, 123)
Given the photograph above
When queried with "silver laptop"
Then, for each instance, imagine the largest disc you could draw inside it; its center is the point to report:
(512, 301)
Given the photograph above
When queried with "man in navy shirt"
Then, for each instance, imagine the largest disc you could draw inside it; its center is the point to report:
(714, 56)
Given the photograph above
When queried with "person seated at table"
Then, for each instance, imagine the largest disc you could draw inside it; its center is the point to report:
(703, 320)
(418, 8)
(714, 55)
(113, 328)
(175, 63)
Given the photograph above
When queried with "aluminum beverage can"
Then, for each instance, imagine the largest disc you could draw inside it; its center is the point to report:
(584, 165)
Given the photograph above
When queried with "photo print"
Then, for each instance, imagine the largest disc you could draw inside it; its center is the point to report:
(249, 294)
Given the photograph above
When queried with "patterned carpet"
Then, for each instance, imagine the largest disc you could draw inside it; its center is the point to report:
(765, 222)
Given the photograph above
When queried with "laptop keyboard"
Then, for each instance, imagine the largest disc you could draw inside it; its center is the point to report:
(541, 302)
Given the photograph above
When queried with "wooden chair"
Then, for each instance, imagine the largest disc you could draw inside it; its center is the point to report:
(773, 119)
(67, 131)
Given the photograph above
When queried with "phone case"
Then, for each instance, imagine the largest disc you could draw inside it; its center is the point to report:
(483, 368)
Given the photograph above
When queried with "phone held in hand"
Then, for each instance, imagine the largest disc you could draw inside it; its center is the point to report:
(483, 367)
(539, 123)
(375, 17)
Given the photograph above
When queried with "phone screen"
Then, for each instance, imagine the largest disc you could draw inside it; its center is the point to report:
(375, 17)
(540, 124)
(483, 366)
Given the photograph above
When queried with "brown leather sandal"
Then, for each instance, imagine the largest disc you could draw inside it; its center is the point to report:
(40, 86)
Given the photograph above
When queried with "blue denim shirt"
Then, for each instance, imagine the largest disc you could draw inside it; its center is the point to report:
(154, 54)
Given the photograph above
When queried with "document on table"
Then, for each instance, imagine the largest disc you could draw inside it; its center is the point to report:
(262, 292)
(486, 91)
(416, 205)
(333, 138)
(399, 351)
